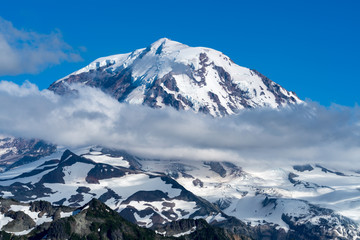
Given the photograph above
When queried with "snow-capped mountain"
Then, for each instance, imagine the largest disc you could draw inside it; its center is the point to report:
(292, 202)
(168, 73)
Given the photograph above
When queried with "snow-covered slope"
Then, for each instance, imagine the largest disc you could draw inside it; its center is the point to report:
(144, 198)
(168, 73)
(290, 198)
(305, 200)
(18, 151)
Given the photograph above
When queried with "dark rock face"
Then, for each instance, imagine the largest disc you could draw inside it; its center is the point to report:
(150, 196)
(103, 171)
(232, 88)
(233, 169)
(74, 199)
(175, 170)
(201, 72)
(83, 190)
(41, 206)
(325, 170)
(20, 223)
(198, 182)
(19, 151)
(26, 191)
(217, 167)
(275, 89)
(292, 178)
(169, 99)
(55, 176)
(223, 203)
(108, 195)
(216, 100)
(303, 168)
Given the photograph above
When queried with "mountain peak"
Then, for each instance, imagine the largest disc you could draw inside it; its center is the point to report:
(169, 73)
(161, 41)
(167, 45)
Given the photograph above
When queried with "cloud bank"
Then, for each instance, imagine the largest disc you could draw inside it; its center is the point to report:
(303, 134)
(30, 52)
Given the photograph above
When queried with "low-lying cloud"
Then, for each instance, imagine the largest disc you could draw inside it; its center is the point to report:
(302, 134)
(25, 51)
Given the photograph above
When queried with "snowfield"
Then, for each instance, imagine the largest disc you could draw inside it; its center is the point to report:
(242, 191)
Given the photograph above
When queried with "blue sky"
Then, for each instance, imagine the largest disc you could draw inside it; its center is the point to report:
(310, 47)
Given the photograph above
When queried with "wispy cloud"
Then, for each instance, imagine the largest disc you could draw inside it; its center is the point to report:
(30, 52)
(304, 134)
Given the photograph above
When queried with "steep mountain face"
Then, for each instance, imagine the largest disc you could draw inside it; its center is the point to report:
(168, 73)
(18, 151)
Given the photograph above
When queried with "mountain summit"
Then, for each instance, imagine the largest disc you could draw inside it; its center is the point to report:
(169, 73)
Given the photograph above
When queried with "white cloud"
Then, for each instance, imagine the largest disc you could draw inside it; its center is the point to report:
(30, 52)
(303, 134)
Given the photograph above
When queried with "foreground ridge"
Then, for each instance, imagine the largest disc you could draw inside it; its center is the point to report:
(95, 220)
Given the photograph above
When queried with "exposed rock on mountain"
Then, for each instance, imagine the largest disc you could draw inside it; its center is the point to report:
(168, 73)
(147, 199)
(231, 198)
(18, 151)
